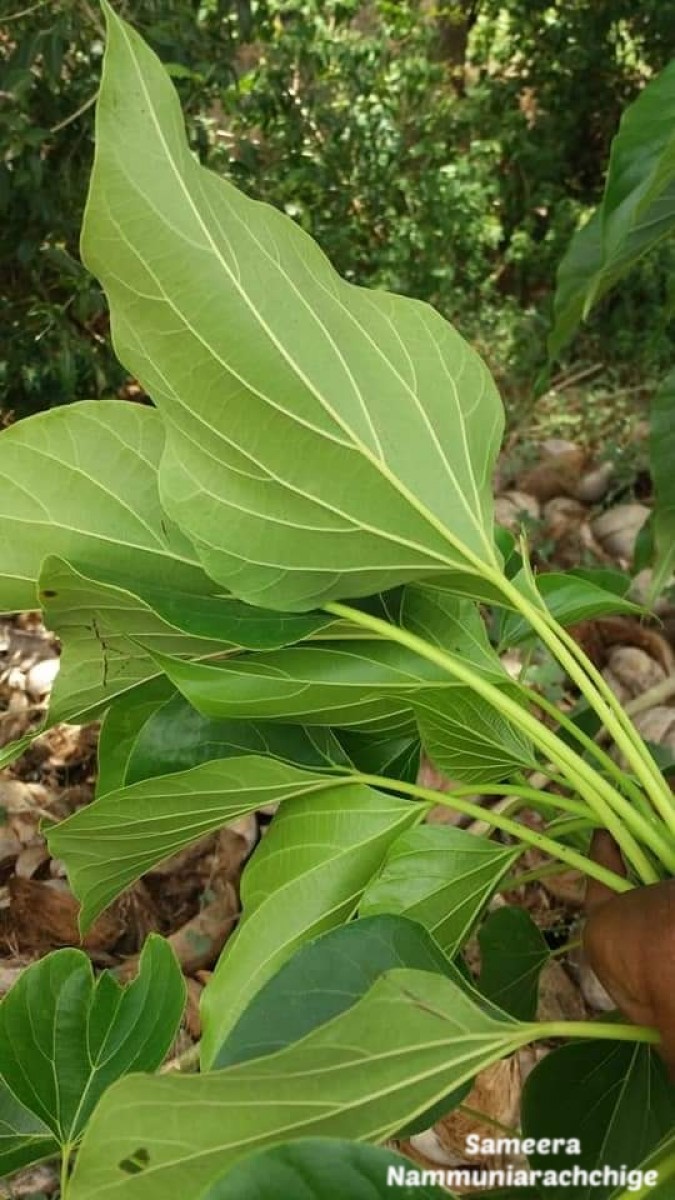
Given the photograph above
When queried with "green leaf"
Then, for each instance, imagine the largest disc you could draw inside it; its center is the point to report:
(637, 210)
(452, 623)
(322, 1167)
(303, 993)
(659, 1170)
(513, 953)
(579, 273)
(172, 736)
(467, 739)
(24, 1138)
(101, 628)
(110, 843)
(65, 1038)
(396, 757)
(357, 685)
(661, 460)
(570, 597)
(413, 1038)
(440, 877)
(285, 384)
(614, 1097)
(324, 978)
(109, 636)
(307, 876)
(93, 499)
(121, 727)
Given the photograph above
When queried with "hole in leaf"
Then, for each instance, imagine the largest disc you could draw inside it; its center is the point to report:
(136, 1162)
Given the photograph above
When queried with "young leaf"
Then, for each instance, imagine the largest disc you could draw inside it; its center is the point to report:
(307, 876)
(65, 1038)
(321, 1167)
(440, 877)
(174, 737)
(287, 382)
(110, 843)
(613, 1096)
(661, 460)
(468, 739)
(413, 1038)
(513, 953)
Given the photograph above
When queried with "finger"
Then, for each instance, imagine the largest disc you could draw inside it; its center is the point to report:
(606, 853)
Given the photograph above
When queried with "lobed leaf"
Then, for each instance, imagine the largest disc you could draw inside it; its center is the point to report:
(64, 1038)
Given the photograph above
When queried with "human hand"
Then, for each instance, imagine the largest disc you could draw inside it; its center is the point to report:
(629, 941)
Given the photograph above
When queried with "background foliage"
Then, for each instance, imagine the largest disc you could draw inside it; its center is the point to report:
(446, 151)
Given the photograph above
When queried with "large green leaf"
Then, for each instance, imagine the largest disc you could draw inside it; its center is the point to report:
(65, 1038)
(613, 1096)
(468, 739)
(662, 466)
(110, 843)
(637, 210)
(322, 1167)
(358, 685)
(173, 736)
(413, 1038)
(440, 877)
(323, 441)
(307, 876)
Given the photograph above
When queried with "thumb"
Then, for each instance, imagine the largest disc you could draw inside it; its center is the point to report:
(606, 853)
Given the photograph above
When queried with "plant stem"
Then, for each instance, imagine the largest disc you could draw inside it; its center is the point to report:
(575, 944)
(599, 695)
(592, 747)
(582, 777)
(521, 833)
(605, 1030)
(64, 1174)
